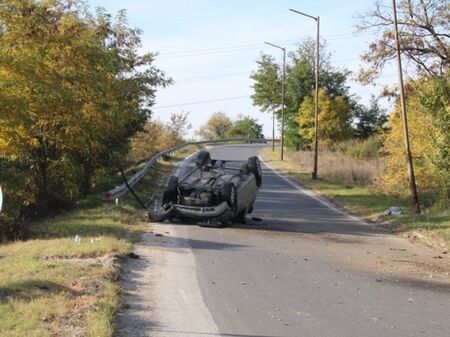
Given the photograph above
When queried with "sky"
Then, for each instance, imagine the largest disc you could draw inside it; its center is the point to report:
(209, 48)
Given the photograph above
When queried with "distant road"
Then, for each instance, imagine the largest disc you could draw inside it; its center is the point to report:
(306, 269)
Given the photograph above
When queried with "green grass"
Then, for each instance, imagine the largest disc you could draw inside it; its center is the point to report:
(366, 201)
(49, 286)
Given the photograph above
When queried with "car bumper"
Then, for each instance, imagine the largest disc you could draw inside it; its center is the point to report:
(221, 212)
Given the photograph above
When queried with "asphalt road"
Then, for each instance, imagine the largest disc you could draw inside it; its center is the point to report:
(306, 269)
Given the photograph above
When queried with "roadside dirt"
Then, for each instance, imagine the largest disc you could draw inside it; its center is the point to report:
(388, 257)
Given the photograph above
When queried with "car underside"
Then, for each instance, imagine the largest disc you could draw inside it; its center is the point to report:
(214, 193)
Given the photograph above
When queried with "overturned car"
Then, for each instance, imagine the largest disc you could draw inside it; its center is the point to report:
(214, 193)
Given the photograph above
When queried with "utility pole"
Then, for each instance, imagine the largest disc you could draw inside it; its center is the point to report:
(316, 98)
(412, 179)
(282, 96)
(273, 114)
(282, 103)
(316, 106)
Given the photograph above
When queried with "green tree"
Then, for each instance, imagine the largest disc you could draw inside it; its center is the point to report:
(434, 97)
(334, 119)
(216, 127)
(300, 81)
(369, 120)
(300, 85)
(245, 126)
(267, 84)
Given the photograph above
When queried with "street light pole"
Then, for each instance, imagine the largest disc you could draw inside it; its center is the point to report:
(316, 98)
(412, 179)
(273, 130)
(282, 96)
(273, 114)
(282, 103)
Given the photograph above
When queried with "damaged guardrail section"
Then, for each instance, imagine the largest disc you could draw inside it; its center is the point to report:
(121, 190)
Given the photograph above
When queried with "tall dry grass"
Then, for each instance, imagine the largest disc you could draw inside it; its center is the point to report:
(338, 167)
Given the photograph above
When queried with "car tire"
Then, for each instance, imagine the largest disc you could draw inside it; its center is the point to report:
(229, 195)
(254, 166)
(171, 192)
(203, 158)
(153, 217)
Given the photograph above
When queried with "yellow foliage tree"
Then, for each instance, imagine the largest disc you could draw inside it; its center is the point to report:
(74, 89)
(158, 136)
(216, 127)
(334, 118)
(429, 124)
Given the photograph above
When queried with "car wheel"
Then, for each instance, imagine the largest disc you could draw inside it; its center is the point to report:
(254, 166)
(203, 158)
(229, 195)
(171, 193)
(154, 217)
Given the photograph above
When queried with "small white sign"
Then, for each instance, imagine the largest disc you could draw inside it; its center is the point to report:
(1, 198)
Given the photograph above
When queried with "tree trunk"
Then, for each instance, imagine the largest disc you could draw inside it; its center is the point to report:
(88, 173)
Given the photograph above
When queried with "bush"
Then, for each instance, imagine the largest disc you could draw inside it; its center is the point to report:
(364, 149)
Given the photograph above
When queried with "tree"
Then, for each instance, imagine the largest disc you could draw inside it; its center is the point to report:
(73, 90)
(267, 84)
(157, 136)
(245, 126)
(429, 126)
(216, 126)
(149, 141)
(369, 120)
(299, 85)
(334, 119)
(433, 97)
(424, 37)
(177, 128)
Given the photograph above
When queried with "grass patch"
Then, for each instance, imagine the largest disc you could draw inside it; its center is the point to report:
(49, 286)
(363, 200)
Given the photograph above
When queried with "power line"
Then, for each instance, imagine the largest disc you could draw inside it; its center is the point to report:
(238, 74)
(201, 18)
(213, 51)
(201, 102)
(256, 44)
(244, 47)
(212, 77)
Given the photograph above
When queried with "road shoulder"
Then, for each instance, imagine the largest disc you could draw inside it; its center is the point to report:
(162, 295)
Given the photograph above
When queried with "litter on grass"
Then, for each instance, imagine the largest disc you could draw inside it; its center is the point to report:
(393, 211)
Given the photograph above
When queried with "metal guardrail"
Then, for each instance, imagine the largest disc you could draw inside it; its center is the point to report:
(121, 190)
